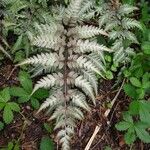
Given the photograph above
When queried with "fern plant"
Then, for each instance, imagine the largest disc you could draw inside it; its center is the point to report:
(72, 58)
(116, 19)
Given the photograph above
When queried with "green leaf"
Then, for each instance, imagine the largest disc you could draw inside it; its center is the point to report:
(18, 43)
(144, 112)
(127, 117)
(109, 75)
(134, 107)
(23, 99)
(1, 126)
(25, 81)
(48, 128)
(2, 105)
(46, 144)
(130, 136)
(130, 90)
(18, 92)
(35, 103)
(7, 114)
(140, 93)
(4, 95)
(14, 106)
(121, 126)
(10, 146)
(16, 147)
(41, 94)
(142, 134)
(135, 82)
(146, 47)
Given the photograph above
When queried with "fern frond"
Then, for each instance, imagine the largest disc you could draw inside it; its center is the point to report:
(72, 12)
(87, 46)
(47, 59)
(85, 86)
(89, 31)
(46, 41)
(50, 102)
(91, 78)
(86, 64)
(126, 9)
(96, 59)
(129, 23)
(79, 100)
(71, 62)
(45, 82)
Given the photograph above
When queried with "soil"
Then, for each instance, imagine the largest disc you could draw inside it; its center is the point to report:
(27, 127)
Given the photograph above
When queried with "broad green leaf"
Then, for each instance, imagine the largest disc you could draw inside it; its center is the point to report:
(4, 95)
(134, 107)
(18, 92)
(140, 93)
(142, 134)
(25, 81)
(127, 117)
(35, 103)
(2, 105)
(135, 82)
(7, 114)
(146, 47)
(14, 106)
(1, 125)
(46, 144)
(121, 126)
(130, 90)
(23, 99)
(144, 112)
(142, 125)
(41, 94)
(130, 136)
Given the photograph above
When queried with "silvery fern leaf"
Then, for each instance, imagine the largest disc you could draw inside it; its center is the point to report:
(89, 31)
(87, 46)
(129, 23)
(71, 62)
(85, 86)
(80, 101)
(91, 77)
(47, 59)
(126, 9)
(45, 82)
(84, 63)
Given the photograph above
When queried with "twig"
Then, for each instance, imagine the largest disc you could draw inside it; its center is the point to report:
(97, 128)
(11, 72)
(92, 138)
(114, 100)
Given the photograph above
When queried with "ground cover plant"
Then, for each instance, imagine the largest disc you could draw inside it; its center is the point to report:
(74, 75)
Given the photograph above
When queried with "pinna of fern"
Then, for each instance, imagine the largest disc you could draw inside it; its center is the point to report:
(72, 59)
(115, 18)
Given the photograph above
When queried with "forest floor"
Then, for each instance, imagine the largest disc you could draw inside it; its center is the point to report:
(27, 127)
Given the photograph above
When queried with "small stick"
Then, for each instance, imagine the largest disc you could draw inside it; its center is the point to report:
(97, 128)
(11, 72)
(114, 100)
(92, 138)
